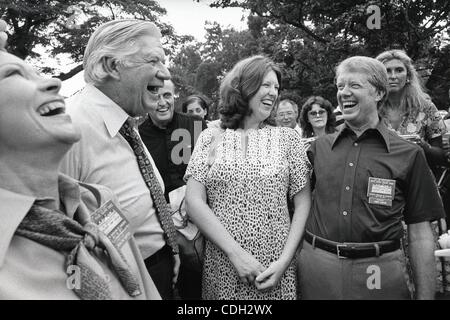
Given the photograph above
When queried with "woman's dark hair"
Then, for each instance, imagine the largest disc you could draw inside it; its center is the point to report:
(202, 101)
(240, 85)
(307, 129)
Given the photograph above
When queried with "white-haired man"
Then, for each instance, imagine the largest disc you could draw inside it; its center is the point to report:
(124, 69)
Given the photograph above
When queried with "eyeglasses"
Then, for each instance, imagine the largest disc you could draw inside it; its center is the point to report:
(316, 113)
(283, 114)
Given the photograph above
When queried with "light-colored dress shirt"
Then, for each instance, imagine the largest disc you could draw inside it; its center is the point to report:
(104, 157)
(298, 129)
(29, 270)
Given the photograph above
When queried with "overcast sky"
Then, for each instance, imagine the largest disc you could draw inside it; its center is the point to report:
(188, 16)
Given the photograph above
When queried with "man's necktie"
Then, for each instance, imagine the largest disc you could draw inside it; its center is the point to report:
(162, 207)
(55, 230)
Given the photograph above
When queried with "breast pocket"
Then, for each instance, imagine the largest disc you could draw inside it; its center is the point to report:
(379, 187)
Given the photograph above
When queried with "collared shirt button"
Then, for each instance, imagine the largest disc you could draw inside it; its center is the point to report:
(345, 213)
(355, 144)
(351, 164)
(347, 188)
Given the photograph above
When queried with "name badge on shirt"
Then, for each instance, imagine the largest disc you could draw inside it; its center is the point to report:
(381, 191)
(112, 223)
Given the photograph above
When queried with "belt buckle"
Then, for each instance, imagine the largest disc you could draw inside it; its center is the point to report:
(338, 252)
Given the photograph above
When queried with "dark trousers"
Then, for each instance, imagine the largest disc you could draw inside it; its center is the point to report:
(189, 283)
(160, 267)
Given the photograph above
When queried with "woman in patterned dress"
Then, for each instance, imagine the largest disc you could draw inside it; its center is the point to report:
(239, 180)
(409, 110)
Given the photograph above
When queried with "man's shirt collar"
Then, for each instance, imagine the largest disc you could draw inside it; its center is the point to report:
(112, 114)
(380, 129)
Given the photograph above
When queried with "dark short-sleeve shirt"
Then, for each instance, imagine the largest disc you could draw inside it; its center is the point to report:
(172, 147)
(343, 164)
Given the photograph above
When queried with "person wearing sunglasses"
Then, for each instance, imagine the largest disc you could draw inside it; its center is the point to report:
(317, 118)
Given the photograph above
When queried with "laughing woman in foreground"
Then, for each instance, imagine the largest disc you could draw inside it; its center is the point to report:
(239, 180)
(54, 238)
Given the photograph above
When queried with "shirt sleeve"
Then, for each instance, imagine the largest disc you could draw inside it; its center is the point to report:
(422, 198)
(299, 165)
(198, 166)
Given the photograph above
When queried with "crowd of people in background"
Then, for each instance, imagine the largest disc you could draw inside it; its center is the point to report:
(113, 194)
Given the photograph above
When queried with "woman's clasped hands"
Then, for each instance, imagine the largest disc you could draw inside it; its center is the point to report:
(250, 270)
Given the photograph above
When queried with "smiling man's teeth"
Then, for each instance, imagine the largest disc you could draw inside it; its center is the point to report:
(44, 110)
(348, 104)
(51, 108)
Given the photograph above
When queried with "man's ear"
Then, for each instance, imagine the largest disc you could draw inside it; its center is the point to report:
(110, 66)
(379, 95)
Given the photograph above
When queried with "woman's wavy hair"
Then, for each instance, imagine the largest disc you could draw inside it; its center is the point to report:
(201, 100)
(307, 129)
(414, 97)
(240, 85)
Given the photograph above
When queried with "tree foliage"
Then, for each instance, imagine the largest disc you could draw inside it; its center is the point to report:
(65, 26)
(310, 37)
(199, 67)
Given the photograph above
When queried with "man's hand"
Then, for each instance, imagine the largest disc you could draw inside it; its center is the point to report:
(3, 35)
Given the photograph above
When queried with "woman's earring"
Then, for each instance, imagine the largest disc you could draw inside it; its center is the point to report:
(407, 80)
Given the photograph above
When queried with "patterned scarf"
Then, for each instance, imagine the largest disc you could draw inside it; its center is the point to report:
(55, 230)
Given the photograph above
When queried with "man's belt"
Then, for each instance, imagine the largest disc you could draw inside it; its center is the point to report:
(352, 250)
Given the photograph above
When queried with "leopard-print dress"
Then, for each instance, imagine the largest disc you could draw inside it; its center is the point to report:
(249, 193)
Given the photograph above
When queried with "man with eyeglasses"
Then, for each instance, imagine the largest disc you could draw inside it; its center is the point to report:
(124, 69)
(287, 115)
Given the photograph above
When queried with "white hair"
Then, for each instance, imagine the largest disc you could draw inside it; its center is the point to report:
(115, 39)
